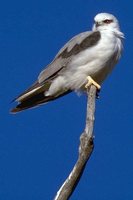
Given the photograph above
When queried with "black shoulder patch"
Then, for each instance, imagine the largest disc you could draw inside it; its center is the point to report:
(89, 41)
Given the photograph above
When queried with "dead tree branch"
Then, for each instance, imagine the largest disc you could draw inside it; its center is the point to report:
(85, 149)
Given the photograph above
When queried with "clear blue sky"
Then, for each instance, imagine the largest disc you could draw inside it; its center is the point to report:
(38, 147)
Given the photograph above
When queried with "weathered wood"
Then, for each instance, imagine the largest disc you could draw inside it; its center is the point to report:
(85, 149)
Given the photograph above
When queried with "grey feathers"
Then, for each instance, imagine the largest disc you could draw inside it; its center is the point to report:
(76, 45)
(92, 53)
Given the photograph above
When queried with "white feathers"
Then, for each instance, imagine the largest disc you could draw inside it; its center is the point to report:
(91, 53)
(96, 61)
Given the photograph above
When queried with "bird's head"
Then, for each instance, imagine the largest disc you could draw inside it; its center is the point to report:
(105, 21)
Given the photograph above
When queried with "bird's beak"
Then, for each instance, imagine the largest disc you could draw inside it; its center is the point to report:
(98, 24)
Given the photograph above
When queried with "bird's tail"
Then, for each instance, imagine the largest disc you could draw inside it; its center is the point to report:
(35, 96)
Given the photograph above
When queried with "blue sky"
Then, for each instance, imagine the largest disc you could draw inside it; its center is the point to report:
(38, 147)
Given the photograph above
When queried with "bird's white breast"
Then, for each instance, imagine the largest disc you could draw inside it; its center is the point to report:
(96, 61)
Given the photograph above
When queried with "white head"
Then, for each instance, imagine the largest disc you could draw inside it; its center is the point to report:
(105, 21)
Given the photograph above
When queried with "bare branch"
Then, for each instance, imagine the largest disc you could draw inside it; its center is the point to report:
(85, 149)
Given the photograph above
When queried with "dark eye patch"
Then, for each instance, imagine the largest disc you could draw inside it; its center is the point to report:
(108, 21)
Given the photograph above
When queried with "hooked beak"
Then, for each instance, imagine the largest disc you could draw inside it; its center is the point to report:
(98, 24)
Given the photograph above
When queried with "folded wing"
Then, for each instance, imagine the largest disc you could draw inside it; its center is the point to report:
(35, 95)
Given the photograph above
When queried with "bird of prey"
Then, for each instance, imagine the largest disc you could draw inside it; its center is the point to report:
(84, 60)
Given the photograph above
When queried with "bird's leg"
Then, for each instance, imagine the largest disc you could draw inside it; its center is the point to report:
(92, 82)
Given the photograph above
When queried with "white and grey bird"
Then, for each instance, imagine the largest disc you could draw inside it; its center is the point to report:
(86, 59)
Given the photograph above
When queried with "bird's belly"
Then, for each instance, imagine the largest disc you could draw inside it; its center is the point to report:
(98, 67)
(96, 62)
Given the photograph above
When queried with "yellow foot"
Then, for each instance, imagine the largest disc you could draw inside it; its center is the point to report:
(92, 82)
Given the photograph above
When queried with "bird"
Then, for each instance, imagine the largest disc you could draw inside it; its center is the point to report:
(86, 59)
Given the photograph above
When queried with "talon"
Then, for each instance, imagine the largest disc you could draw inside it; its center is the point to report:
(92, 82)
(97, 94)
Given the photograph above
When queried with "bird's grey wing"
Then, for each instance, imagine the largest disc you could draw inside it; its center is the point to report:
(35, 95)
(77, 44)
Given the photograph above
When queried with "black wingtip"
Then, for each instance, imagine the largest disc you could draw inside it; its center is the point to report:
(35, 101)
(15, 110)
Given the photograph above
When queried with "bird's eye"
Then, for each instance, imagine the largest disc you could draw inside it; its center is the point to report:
(108, 21)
